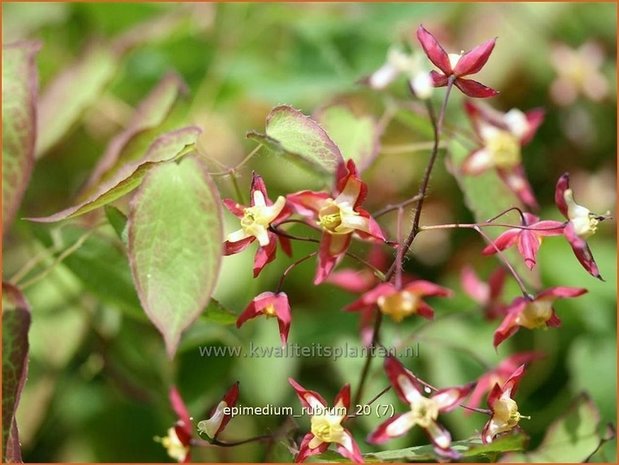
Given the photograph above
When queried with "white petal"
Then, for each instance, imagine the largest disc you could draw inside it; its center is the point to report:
(440, 436)
(516, 122)
(259, 200)
(400, 426)
(408, 389)
(237, 236)
(315, 442)
(383, 76)
(211, 425)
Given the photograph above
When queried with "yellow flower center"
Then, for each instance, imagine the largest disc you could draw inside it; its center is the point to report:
(174, 447)
(269, 311)
(424, 412)
(399, 305)
(257, 219)
(504, 148)
(506, 414)
(584, 222)
(327, 428)
(535, 314)
(337, 218)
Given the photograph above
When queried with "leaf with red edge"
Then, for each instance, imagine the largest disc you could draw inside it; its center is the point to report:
(169, 146)
(149, 114)
(175, 245)
(71, 92)
(15, 326)
(19, 93)
(291, 132)
(358, 137)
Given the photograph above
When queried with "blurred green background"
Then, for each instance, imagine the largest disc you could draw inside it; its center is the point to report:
(98, 380)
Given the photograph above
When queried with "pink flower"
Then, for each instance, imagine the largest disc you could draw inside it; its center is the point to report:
(178, 440)
(528, 240)
(326, 424)
(339, 217)
(272, 306)
(219, 418)
(533, 312)
(581, 225)
(503, 135)
(456, 66)
(399, 304)
(255, 222)
(488, 295)
(505, 414)
(499, 375)
(424, 411)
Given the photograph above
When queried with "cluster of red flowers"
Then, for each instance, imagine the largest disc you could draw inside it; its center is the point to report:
(339, 216)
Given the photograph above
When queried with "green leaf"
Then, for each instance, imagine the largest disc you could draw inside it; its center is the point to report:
(217, 313)
(571, 438)
(19, 94)
(356, 136)
(118, 220)
(169, 146)
(470, 448)
(288, 131)
(149, 114)
(15, 326)
(100, 265)
(71, 92)
(175, 245)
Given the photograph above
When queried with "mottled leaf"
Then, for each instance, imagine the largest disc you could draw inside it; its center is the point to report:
(571, 438)
(150, 113)
(291, 132)
(167, 147)
(19, 93)
(216, 313)
(356, 136)
(15, 326)
(175, 245)
(70, 93)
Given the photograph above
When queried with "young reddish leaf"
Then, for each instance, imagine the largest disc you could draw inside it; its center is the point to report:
(149, 114)
(357, 136)
(15, 326)
(169, 146)
(175, 245)
(71, 92)
(290, 131)
(19, 93)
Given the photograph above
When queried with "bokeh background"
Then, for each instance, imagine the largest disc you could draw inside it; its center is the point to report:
(98, 380)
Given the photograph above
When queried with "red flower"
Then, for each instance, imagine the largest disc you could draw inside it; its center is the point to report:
(581, 225)
(424, 411)
(399, 304)
(273, 306)
(255, 222)
(499, 375)
(178, 440)
(534, 312)
(503, 135)
(488, 295)
(456, 66)
(505, 414)
(326, 424)
(338, 217)
(528, 241)
(219, 418)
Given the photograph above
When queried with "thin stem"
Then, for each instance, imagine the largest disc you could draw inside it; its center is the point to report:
(506, 262)
(407, 148)
(395, 206)
(505, 212)
(59, 260)
(484, 225)
(292, 267)
(232, 171)
(437, 125)
(237, 189)
(217, 443)
(399, 257)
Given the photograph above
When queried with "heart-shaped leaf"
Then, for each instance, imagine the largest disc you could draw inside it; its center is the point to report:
(168, 147)
(358, 137)
(175, 245)
(70, 93)
(15, 326)
(149, 114)
(291, 132)
(19, 93)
